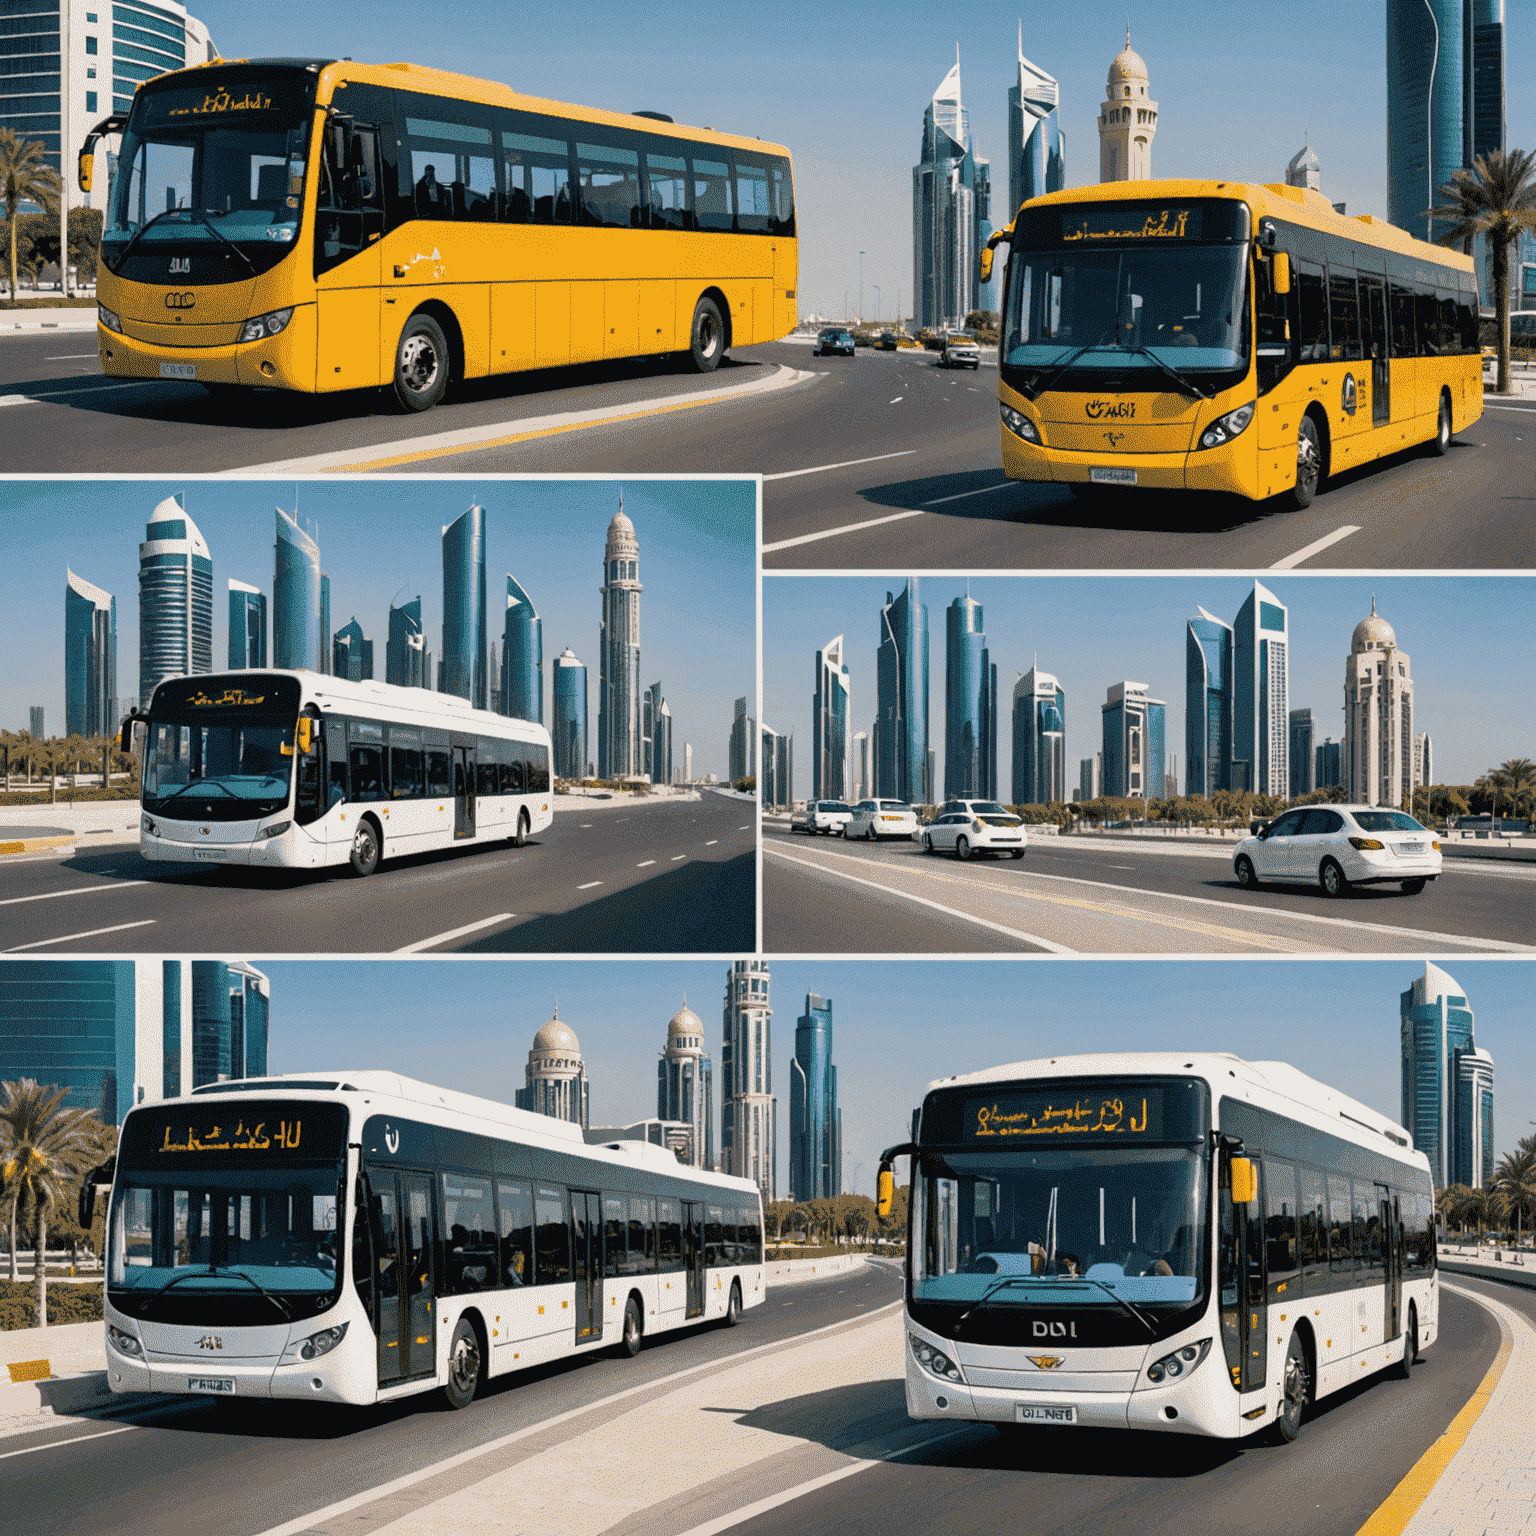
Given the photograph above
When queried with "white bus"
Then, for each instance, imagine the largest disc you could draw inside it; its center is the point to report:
(294, 770)
(354, 1237)
(1156, 1241)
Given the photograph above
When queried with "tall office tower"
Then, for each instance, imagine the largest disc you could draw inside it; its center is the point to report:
(250, 1006)
(650, 712)
(1483, 25)
(970, 704)
(815, 1122)
(1423, 759)
(1427, 87)
(464, 621)
(1261, 682)
(661, 750)
(901, 692)
(1378, 716)
(1447, 1082)
(863, 785)
(1127, 120)
(688, 762)
(1327, 764)
(407, 661)
(352, 653)
(175, 598)
(749, 1113)
(522, 657)
(569, 716)
(35, 722)
(1301, 753)
(247, 625)
(1207, 705)
(685, 1083)
(1133, 743)
(618, 679)
(297, 637)
(1039, 739)
(493, 676)
(90, 658)
(777, 781)
(1037, 147)
(829, 724)
(743, 756)
(325, 621)
(555, 1078)
(1090, 777)
(951, 212)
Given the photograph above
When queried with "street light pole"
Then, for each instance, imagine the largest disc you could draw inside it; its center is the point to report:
(861, 287)
(877, 303)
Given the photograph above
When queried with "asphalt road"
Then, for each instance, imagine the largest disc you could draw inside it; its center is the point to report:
(888, 439)
(822, 895)
(238, 1469)
(672, 877)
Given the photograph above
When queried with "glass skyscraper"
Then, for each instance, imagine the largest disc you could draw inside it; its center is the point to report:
(1447, 1082)
(298, 638)
(618, 678)
(352, 653)
(743, 748)
(407, 661)
(970, 704)
(901, 690)
(247, 625)
(1039, 739)
(464, 621)
(776, 782)
(815, 1122)
(175, 598)
(1037, 146)
(656, 736)
(1301, 753)
(829, 724)
(1261, 681)
(522, 666)
(749, 1113)
(1207, 705)
(1133, 743)
(90, 658)
(569, 711)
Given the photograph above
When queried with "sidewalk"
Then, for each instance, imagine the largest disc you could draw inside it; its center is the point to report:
(27, 828)
(48, 318)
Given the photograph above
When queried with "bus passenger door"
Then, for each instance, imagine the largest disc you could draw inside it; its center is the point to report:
(1392, 1259)
(587, 1265)
(1373, 294)
(349, 224)
(418, 1294)
(693, 1255)
(463, 791)
(1244, 1291)
(385, 1221)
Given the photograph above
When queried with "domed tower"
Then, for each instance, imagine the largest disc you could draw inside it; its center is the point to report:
(1127, 120)
(1305, 169)
(685, 1084)
(1378, 716)
(749, 1113)
(618, 683)
(556, 1074)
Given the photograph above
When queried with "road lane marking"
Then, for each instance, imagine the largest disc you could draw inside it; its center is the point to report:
(17, 400)
(53, 1445)
(985, 490)
(832, 533)
(711, 843)
(821, 469)
(72, 357)
(89, 890)
(68, 938)
(897, 400)
(1489, 405)
(590, 885)
(677, 856)
(455, 933)
(745, 828)
(1314, 548)
(645, 864)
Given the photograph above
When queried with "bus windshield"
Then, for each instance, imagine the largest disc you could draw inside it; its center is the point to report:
(211, 171)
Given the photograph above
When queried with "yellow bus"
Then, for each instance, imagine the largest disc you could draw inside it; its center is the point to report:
(319, 226)
(1216, 336)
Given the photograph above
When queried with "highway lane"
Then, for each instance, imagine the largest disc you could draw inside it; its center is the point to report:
(674, 876)
(825, 895)
(240, 1469)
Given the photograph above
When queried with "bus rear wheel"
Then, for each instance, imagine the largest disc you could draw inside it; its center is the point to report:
(1293, 1404)
(1404, 1368)
(421, 364)
(1442, 439)
(463, 1365)
(1309, 464)
(733, 1305)
(634, 1333)
(365, 849)
(520, 837)
(706, 346)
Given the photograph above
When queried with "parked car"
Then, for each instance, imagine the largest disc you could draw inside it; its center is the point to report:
(824, 816)
(874, 819)
(1339, 846)
(960, 350)
(833, 339)
(964, 827)
(887, 341)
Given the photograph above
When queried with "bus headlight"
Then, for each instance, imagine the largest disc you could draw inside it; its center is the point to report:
(125, 1343)
(1180, 1363)
(266, 325)
(315, 1345)
(933, 1361)
(109, 319)
(1225, 428)
(149, 827)
(1019, 424)
(275, 830)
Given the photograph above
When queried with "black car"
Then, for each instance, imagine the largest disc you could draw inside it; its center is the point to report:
(833, 339)
(887, 341)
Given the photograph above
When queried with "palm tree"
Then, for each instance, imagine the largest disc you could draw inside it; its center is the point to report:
(43, 1148)
(1497, 198)
(25, 177)
(1514, 1185)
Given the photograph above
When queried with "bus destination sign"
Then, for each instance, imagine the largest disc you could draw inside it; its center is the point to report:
(247, 1135)
(1118, 1111)
(1131, 224)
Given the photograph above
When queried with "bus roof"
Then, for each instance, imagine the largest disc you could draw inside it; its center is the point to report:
(1297, 205)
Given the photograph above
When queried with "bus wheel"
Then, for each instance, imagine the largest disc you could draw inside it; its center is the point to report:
(463, 1366)
(365, 849)
(520, 837)
(1404, 1368)
(634, 1333)
(733, 1305)
(1294, 1402)
(421, 364)
(1442, 443)
(707, 338)
(1309, 464)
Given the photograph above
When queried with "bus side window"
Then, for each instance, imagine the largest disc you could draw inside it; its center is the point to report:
(1428, 321)
(669, 1233)
(752, 205)
(336, 762)
(487, 774)
(1311, 311)
(536, 178)
(1280, 1228)
(642, 1235)
(614, 1263)
(552, 1236)
(712, 195)
(666, 178)
(367, 773)
(511, 767)
(609, 178)
(1404, 343)
(1314, 1225)
(514, 1216)
(1344, 313)
(439, 780)
(536, 768)
(1341, 1256)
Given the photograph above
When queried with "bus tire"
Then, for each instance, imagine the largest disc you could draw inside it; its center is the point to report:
(1404, 1367)
(633, 1335)
(464, 1362)
(520, 837)
(706, 337)
(365, 848)
(421, 364)
(1441, 443)
(1332, 879)
(733, 1305)
(1309, 464)
(1293, 1400)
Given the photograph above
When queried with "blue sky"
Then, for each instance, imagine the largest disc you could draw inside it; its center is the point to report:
(380, 538)
(897, 1025)
(845, 88)
(1094, 631)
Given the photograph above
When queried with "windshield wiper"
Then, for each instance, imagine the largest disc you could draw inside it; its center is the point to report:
(1038, 386)
(992, 1291)
(1172, 372)
(203, 217)
(1135, 1311)
(216, 1269)
(199, 785)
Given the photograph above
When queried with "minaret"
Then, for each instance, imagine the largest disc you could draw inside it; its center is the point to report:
(1127, 120)
(748, 1109)
(618, 686)
(1305, 169)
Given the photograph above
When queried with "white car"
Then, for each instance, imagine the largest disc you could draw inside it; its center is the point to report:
(874, 819)
(824, 816)
(960, 350)
(964, 827)
(1339, 846)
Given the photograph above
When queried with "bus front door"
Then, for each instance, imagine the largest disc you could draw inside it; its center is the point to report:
(1244, 1288)
(1392, 1259)
(463, 791)
(587, 1266)
(693, 1255)
(1373, 298)
(402, 1235)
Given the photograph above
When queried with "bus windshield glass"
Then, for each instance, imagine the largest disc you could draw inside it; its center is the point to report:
(220, 749)
(211, 171)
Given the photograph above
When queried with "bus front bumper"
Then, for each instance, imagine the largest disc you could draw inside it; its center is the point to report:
(1234, 468)
(284, 361)
(186, 844)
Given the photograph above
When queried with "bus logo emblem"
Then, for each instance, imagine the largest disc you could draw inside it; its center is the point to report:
(1115, 438)
(1044, 1330)
(181, 264)
(1046, 1362)
(180, 300)
(392, 1139)
(205, 831)
(210, 1341)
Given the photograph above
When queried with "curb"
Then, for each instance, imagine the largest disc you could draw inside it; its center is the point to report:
(27, 326)
(67, 1393)
(32, 844)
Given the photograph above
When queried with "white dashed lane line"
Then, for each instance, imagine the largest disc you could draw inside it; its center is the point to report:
(1315, 548)
(67, 938)
(677, 856)
(589, 885)
(711, 843)
(456, 933)
(646, 864)
(821, 469)
(88, 890)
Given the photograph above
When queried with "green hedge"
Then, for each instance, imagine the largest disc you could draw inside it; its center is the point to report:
(67, 1303)
(68, 796)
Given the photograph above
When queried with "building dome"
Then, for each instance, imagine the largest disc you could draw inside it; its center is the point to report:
(557, 1036)
(621, 534)
(1305, 159)
(685, 1022)
(1373, 633)
(1127, 65)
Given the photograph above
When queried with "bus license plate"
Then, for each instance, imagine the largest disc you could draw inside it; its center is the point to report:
(214, 1384)
(208, 853)
(178, 371)
(1112, 476)
(1045, 1413)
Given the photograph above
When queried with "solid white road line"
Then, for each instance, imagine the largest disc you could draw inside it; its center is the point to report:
(455, 933)
(897, 400)
(1489, 405)
(645, 864)
(17, 400)
(89, 890)
(821, 469)
(711, 843)
(53, 1445)
(71, 357)
(591, 884)
(985, 490)
(1315, 548)
(677, 856)
(832, 533)
(67, 938)
(923, 901)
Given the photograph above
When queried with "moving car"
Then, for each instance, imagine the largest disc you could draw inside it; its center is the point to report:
(833, 339)
(887, 341)
(964, 827)
(874, 819)
(824, 816)
(960, 350)
(1339, 846)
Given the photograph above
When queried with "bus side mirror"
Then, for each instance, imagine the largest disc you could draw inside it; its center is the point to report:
(1006, 233)
(884, 1191)
(130, 739)
(1282, 274)
(304, 736)
(86, 169)
(1245, 1181)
